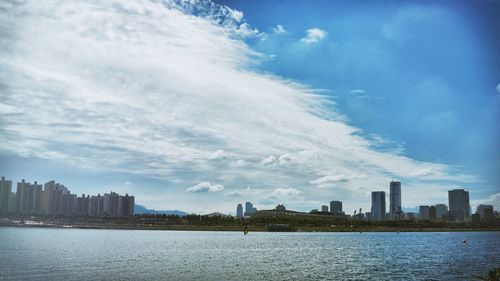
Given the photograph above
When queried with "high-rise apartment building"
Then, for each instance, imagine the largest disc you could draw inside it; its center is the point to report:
(125, 206)
(378, 206)
(458, 200)
(22, 194)
(5, 190)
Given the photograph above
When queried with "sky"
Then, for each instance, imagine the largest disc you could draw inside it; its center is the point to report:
(199, 105)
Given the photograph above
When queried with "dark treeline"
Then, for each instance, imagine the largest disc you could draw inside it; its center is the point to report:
(158, 220)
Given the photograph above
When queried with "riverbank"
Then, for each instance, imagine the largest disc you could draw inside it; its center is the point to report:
(258, 228)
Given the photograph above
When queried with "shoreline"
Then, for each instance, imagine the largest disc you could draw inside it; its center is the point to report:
(251, 228)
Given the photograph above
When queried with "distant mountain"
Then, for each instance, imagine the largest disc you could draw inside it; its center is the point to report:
(139, 209)
(217, 214)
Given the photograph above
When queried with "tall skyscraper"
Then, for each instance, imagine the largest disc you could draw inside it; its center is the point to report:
(378, 205)
(336, 207)
(5, 190)
(395, 200)
(441, 210)
(458, 200)
(239, 211)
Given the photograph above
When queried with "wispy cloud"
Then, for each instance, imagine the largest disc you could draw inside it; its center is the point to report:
(421, 172)
(357, 91)
(279, 29)
(330, 179)
(314, 35)
(281, 192)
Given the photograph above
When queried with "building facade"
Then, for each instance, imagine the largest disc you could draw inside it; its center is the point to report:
(432, 212)
(249, 209)
(336, 207)
(485, 213)
(441, 211)
(458, 200)
(423, 213)
(378, 206)
(5, 190)
(395, 210)
(239, 211)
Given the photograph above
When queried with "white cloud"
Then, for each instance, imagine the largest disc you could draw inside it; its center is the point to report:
(498, 88)
(205, 187)
(245, 30)
(192, 97)
(422, 172)
(314, 35)
(219, 154)
(282, 192)
(236, 15)
(357, 91)
(269, 160)
(330, 179)
(279, 29)
(283, 159)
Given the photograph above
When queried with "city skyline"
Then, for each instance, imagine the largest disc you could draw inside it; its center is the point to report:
(203, 104)
(54, 198)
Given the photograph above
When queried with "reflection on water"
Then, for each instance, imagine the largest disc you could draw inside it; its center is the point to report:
(76, 254)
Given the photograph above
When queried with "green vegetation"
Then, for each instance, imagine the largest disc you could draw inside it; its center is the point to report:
(219, 223)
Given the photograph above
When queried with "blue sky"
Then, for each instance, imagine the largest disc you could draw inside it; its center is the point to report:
(205, 105)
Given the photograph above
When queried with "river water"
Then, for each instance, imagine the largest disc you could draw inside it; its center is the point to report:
(81, 254)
